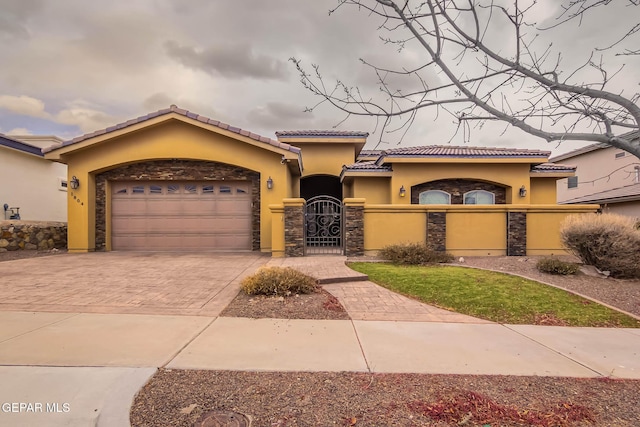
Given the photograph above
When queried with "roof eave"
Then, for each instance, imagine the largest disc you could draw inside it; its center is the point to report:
(631, 198)
(58, 153)
(460, 159)
(551, 174)
(364, 173)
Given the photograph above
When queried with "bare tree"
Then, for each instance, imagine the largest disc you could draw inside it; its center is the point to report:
(481, 76)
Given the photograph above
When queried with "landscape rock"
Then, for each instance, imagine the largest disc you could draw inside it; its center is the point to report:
(32, 235)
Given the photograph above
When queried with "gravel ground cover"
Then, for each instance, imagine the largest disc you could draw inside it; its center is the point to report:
(183, 398)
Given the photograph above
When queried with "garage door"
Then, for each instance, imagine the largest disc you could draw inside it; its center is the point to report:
(181, 216)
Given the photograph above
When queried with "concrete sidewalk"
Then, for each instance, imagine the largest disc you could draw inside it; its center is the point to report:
(186, 342)
(37, 347)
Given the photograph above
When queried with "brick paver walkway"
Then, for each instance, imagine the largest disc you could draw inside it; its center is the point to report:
(364, 300)
(126, 282)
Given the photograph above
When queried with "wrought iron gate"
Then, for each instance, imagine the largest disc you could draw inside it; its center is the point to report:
(323, 226)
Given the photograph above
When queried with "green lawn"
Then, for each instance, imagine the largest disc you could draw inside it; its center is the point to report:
(493, 296)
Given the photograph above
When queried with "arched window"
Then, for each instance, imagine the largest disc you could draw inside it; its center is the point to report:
(479, 197)
(434, 197)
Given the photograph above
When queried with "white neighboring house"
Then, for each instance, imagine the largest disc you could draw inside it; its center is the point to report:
(36, 186)
(605, 175)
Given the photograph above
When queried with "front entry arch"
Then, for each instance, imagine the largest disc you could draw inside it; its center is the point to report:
(320, 185)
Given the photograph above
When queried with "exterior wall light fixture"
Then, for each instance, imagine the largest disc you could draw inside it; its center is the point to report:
(269, 183)
(403, 192)
(523, 191)
(74, 183)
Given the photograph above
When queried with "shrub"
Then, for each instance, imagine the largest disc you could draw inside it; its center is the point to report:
(278, 281)
(608, 242)
(414, 254)
(556, 266)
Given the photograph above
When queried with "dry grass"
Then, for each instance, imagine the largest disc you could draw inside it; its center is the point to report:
(278, 281)
(608, 242)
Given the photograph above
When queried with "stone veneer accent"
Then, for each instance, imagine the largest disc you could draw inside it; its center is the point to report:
(437, 231)
(176, 170)
(32, 235)
(353, 228)
(457, 188)
(516, 233)
(294, 228)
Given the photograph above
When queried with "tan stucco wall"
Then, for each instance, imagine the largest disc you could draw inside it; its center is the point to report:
(374, 190)
(326, 159)
(507, 174)
(169, 140)
(543, 191)
(32, 184)
(631, 209)
(388, 225)
(277, 227)
(478, 232)
(471, 230)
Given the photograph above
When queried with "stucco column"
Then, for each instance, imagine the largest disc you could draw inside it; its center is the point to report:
(437, 231)
(354, 227)
(277, 230)
(516, 233)
(293, 227)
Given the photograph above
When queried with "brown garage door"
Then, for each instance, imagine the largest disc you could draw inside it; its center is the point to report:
(181, 216)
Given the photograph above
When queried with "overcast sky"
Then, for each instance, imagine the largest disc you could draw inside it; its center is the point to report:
(74, 66)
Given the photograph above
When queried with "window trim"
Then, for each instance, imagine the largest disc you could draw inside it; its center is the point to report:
(434, 191)
(493, 197)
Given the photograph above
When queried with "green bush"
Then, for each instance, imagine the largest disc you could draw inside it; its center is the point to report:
(413, 254)
(278, 281)
(608, 242)
(556, 266)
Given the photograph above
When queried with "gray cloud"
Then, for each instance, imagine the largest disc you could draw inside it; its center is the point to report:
(233, 61)
(92, 64)
(279, 115)
(14, 16)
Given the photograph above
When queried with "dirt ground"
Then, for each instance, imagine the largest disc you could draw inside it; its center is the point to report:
(320, 305)
(184, 398)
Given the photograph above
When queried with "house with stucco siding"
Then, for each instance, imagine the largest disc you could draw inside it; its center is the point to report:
(605, 175)
(177, 181)
(30, 185)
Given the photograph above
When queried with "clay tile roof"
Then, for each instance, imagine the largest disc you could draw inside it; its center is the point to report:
(185, 113)
(321, 133)
(366, 167)
(457, 151)
(553, 167)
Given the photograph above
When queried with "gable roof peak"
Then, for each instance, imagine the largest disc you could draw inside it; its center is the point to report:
(173, 108)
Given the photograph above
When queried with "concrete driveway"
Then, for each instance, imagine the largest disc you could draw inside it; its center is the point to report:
(196, 284)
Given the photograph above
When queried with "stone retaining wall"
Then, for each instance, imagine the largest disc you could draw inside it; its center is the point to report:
(32, 235)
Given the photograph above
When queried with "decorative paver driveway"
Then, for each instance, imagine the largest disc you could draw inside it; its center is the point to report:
(126, 282)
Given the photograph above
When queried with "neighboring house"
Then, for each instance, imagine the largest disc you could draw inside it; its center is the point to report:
(605, 175)
(177, 181)
(31, 185)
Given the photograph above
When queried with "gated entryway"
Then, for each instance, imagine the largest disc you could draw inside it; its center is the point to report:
(323, 226)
